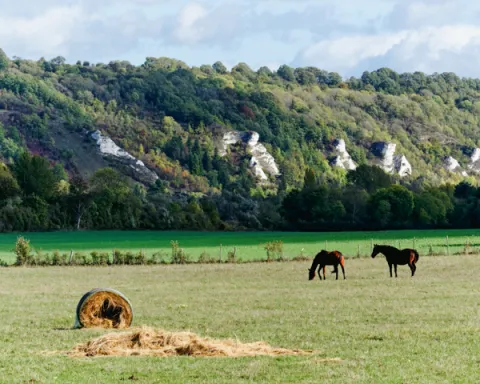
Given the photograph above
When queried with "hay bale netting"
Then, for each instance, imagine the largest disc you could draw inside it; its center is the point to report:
(104, 308)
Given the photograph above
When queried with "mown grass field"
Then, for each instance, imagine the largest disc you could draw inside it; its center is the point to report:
(407, 330)
(248, 244)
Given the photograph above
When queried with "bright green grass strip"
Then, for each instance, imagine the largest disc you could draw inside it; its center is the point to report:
(248, 244)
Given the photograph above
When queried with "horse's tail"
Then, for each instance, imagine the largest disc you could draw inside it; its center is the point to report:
(417, 256)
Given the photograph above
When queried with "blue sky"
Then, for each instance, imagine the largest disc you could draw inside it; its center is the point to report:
(346, 36)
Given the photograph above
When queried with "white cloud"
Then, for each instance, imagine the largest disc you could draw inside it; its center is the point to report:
(410, 50)
(346, 52)
(346, 36)
(188, 29)
(44, 34)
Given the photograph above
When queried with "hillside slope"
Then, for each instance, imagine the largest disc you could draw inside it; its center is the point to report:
(164, 146)
(175, 120)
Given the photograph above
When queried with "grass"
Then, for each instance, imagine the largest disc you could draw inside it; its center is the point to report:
(407, 330)
(248, 244)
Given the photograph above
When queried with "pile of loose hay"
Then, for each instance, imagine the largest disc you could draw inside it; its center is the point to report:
(147, 341)
(104, 308)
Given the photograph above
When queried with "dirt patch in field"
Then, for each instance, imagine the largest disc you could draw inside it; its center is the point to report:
(147, 341)
(104, 309)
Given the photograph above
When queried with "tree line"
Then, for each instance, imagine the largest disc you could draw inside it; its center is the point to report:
(36, 195)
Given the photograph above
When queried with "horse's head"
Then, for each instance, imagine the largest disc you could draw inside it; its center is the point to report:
(376, 250)
(311, 273)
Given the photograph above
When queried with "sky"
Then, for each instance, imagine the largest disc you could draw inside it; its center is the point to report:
(344, 36)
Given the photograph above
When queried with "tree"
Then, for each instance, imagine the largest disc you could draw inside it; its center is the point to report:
(219, 67)
(286, 73)
(207, 162)
(432, 207)
(369, 177)
(265, 71)
(8, 185)
(34, 175)
(399, 201)
(304, 76)
(309, 179)
(79, 199)
(4, 61)
(109, 179)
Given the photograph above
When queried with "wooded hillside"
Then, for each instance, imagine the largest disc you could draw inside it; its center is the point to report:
(169, 120)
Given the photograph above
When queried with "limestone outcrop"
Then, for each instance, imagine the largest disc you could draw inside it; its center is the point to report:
(130, 165)
(389, 161)
(342, 159)
(261, 161)
(451, 164)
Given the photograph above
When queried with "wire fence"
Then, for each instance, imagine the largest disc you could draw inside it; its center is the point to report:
(355, 248)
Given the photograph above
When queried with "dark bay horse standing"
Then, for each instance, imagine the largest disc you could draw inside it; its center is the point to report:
(324, 258)
(397, 256)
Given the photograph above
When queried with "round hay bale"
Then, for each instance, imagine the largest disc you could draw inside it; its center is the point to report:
(104, 308)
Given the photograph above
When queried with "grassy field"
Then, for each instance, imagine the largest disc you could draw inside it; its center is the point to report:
(407, 330)
(248, 244)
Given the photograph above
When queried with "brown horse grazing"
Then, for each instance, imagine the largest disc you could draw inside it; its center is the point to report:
(324, 258)
(397, 256)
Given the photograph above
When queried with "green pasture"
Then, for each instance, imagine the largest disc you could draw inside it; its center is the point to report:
(406, 330)
(248, 244)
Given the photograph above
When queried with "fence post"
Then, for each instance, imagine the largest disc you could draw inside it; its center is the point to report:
(371, 244)
(220, 252)
(358, 250)
(234, 253)
(448, 248)
(71, 257)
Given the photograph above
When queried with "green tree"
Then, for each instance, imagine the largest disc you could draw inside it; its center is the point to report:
(400, 203)
(309, 179)
(369, 177)
(219, 67)
(286, 73)
(4, 61)
(8, 185)
(34, 175)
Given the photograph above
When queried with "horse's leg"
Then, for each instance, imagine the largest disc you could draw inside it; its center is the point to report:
(413, 267)
(343, 271)
(320, 271)
(390, 267)
(336, 272)
(324, 268)
(395, 266)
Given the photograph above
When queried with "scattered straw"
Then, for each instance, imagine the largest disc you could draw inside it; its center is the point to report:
(147, 341)
(105, 309)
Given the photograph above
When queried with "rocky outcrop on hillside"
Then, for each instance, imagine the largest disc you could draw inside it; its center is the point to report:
(388, 161)
(401, 165)
(261, 161)
(452, 165)
(342, 159)
(474, 164)
(130, 165)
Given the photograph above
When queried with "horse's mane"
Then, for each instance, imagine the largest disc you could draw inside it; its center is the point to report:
(386, 247)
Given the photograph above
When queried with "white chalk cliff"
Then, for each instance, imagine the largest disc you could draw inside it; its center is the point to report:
(402, 165)
(474, 164)
(112, 151)
(453, 165)
(342, 158)
(388, 161)
(261, 162)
